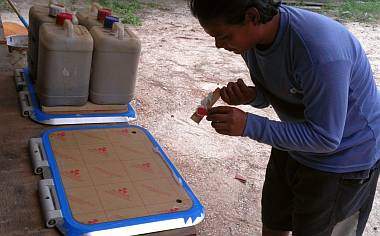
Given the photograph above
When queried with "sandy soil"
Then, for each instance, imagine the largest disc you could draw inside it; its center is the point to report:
(179, 65)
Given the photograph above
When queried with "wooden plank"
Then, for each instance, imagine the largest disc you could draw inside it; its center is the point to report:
(86, 109)
(20, 209)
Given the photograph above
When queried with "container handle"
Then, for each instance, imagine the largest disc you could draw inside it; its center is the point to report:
(69, 27)
(51, 2)
(119, 28)
(95, 7)
(75, 20)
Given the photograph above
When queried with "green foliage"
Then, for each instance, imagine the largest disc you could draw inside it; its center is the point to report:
(368, 10)
(4, 5)
(346, 10)
(125, 9)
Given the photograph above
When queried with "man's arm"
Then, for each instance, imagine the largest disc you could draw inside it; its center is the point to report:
(326, 89)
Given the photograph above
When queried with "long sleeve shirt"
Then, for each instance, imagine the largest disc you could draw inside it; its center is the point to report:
(317, 66)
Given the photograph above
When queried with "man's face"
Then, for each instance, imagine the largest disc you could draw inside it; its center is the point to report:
(234, 38)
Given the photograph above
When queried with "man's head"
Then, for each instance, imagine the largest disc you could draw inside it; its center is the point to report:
(236, 25)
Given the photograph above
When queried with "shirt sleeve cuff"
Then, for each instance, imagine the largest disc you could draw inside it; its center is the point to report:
(254, 126)
(260, 100)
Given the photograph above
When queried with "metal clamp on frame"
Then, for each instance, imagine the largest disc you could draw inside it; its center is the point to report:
(26, 103)
(50, 205)
(19, 79)
(37, 151)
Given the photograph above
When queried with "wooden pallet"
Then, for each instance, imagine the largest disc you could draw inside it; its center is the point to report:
(89, 108)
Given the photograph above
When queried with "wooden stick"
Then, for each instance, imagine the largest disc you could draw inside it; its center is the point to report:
(214, 98)
(22, 19)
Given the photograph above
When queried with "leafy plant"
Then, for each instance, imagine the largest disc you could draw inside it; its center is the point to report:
(4, 5)
(346, 10)
(368, 10)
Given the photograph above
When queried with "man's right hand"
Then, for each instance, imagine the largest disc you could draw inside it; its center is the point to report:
(238, 93)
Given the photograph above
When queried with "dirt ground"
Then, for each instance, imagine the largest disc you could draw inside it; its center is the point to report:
(179, 65)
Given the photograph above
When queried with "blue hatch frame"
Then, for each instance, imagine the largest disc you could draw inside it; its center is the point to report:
(72, 227)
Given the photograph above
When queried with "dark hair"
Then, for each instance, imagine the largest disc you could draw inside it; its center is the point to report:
(232, 11)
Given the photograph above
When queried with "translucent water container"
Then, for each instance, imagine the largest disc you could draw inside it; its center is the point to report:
(114, 65)
(65, 55)
(38, 15)
(89, 17)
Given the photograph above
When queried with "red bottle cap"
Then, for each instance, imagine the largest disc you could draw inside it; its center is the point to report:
(201, 111)
(61, 17)
(102, 13)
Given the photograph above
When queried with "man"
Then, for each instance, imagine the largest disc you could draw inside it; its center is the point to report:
(322, 173)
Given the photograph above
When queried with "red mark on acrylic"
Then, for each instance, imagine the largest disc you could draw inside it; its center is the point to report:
(73, 174)
(145, 167)
(120, 193)
(124, 132)
(102, 150)
(60, 135)
(175, 209)
(171, 210)
(93, 221)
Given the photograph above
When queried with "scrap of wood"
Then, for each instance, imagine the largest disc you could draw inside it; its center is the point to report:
(214, 96)
(88, 108)
(241, 178)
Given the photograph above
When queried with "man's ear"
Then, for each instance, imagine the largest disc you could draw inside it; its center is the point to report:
(252, 14)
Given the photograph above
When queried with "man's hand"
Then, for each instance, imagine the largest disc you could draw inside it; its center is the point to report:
(227, 120)
(238, 93)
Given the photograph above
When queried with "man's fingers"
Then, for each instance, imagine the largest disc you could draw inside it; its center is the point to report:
(237, 92)
(219, 118)
(218, 125)
(242, 86)
(219, 110)
(231, 92)
(224, 95)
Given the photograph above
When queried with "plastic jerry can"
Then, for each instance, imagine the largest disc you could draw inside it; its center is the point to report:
(89, 18)
(65, 54)
(38, 15)
(114, 64)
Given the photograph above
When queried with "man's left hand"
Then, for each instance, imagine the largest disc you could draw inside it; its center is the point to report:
(227, 120)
